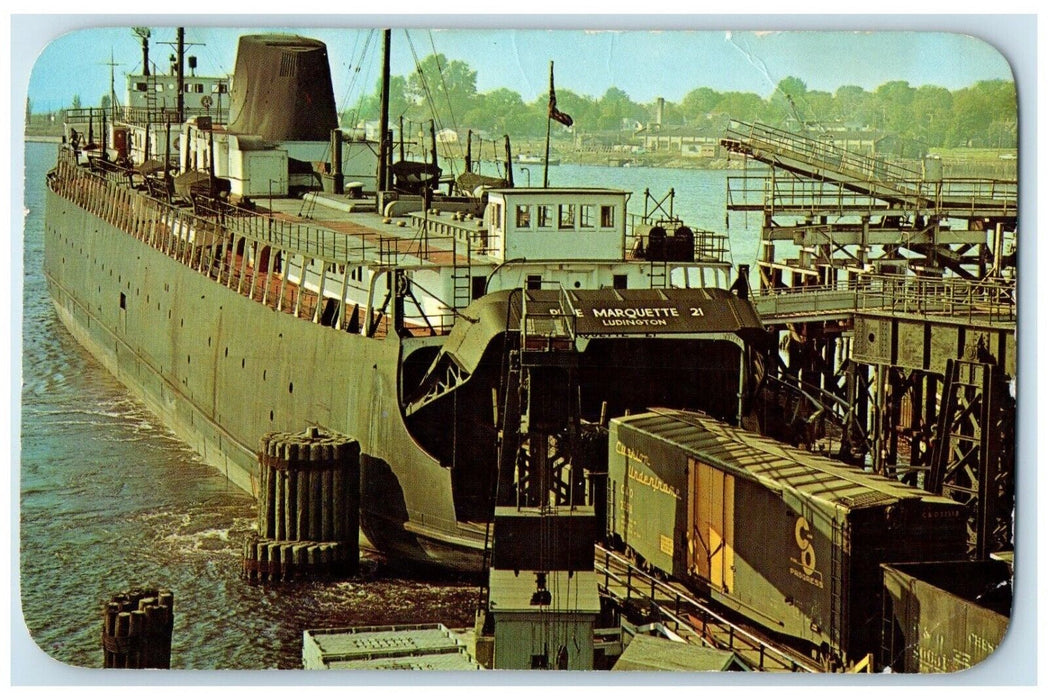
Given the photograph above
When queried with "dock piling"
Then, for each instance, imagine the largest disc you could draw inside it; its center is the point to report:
(309, 518)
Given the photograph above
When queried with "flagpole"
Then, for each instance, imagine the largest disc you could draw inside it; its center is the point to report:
(549, 118)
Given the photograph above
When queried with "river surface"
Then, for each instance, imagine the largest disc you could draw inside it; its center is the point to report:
(111, 500)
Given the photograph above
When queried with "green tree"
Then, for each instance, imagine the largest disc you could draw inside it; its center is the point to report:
(852, 105)
(788, 100)
(932, 109)
(698, 103)
(743, 106)
(446, 87)
(895, 99)
(615, 106)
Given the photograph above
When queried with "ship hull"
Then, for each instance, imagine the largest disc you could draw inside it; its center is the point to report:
(221, 370)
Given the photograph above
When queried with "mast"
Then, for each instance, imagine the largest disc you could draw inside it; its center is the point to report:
(180, 73)
(509, 162)
(112, 84)
(383, 120)
(549, 120)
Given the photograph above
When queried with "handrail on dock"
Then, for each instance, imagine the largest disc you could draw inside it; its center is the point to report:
(603, 565)
(991, 298)
(819, 152)
(869, 176)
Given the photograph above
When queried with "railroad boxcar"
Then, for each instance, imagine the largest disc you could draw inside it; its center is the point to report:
(790, 539)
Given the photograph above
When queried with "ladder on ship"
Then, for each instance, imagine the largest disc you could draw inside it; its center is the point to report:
(658, 274)
(461, 284)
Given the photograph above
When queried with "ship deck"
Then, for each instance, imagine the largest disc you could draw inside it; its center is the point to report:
(372, 238)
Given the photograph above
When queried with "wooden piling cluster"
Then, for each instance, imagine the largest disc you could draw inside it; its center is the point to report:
(136, 629)
(309, 508)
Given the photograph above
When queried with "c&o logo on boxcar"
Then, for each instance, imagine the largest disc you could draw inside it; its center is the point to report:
(802, 534)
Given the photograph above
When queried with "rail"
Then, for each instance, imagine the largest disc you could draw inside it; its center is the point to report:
(707, 246)
(216, 243)
(946, 198)
(264, 227)
(992, 299)
(820, 153)
(881, 179)
(142, 116)
(549, 329)
(653, 590)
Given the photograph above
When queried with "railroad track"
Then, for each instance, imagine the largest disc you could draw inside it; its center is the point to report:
(693, 619)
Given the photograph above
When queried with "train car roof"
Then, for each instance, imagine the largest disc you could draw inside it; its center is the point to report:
(774, 464)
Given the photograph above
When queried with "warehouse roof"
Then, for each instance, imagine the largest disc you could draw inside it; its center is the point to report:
(646, 653)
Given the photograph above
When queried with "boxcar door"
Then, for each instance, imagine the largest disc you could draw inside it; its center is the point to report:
(711, 533)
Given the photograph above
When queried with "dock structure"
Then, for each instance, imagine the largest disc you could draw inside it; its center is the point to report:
(136, 629)
(308, 513)
(891, 290)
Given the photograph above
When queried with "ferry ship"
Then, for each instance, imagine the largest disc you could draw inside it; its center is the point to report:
(269, 273)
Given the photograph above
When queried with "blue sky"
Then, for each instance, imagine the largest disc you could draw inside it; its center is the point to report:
(645, 64)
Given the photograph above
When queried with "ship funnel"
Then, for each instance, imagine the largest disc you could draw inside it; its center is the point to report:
(282, 90)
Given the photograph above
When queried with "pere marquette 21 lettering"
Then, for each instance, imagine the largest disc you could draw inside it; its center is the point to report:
(644, 316)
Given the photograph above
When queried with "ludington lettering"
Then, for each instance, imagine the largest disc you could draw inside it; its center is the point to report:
(644, 316)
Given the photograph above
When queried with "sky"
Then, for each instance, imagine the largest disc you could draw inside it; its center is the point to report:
(645, 64)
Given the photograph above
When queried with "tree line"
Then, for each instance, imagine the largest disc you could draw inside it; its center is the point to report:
(982, 115)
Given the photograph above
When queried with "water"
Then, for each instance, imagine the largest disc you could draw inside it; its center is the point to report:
(111, 500)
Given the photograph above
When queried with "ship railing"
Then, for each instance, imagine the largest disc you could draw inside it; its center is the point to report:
(548, 329)
(471, 232)
(705, 246)
(237, 252)
(160, 116)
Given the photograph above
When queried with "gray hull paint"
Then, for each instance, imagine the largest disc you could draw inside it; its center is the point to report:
(222, 370)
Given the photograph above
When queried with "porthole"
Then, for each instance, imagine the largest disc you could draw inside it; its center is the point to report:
(290, 387)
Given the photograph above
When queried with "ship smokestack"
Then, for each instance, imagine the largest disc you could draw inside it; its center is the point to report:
(282, 90)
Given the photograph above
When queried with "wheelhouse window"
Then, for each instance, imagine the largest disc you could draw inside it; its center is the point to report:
(523, 216)
(607, 216)
(586, 216)
(534, 282)
(545, 216)
(566, 216)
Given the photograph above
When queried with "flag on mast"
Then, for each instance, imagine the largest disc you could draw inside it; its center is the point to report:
(554, 113)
